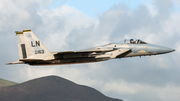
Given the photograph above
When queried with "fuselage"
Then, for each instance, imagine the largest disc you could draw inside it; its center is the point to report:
(134, 50)
(144, 49)
(33, 52)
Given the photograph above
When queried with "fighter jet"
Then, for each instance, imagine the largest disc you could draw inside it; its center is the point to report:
(33, 52)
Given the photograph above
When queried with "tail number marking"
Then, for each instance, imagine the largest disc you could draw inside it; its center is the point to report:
(39, 51)
(37, 43)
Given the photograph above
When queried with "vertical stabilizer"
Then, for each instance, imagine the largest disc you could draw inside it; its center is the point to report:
(21, 45)
(30, 47)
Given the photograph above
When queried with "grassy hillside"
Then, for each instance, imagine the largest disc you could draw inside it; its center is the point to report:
(4, 83)
(51, 88)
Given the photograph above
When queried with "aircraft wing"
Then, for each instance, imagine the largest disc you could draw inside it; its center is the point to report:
(80, 53)
(98, 53)
(87, 51)
(114, 54)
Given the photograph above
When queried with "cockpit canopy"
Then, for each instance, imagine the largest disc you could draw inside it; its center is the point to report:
(134, 41)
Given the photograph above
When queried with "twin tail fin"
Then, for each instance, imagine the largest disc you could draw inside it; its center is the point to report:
(31, 48)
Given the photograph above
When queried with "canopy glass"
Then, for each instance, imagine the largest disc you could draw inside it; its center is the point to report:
(134, 41)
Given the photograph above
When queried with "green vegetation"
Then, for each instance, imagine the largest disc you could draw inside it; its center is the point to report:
(4, 83)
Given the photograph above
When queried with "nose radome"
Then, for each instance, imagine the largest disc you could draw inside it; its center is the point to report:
(162, 50)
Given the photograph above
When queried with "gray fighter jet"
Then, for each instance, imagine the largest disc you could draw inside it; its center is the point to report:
(33, 52)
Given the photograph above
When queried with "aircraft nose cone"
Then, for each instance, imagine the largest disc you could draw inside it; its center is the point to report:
(169, 50)
(162, 50)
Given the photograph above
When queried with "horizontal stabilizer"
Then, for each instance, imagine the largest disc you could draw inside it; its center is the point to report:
(17, 62)
(27, 60)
